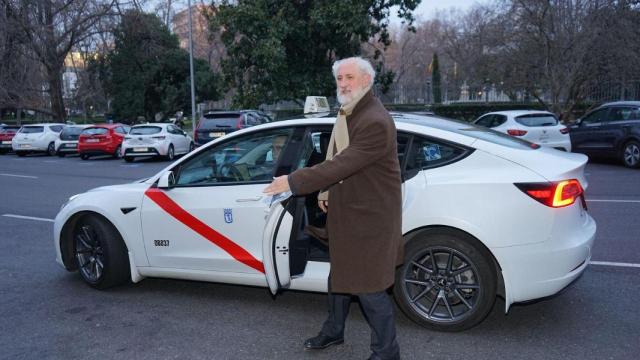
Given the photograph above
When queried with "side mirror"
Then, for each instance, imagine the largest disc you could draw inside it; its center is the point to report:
(167, 180)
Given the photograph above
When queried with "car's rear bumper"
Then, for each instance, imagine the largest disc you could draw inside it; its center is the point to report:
(28, 146)
(149, 151)
(97, 150)
(543, 269)
(564, 145)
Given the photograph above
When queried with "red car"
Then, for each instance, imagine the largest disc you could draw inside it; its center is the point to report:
(7, 132)
(101, 139)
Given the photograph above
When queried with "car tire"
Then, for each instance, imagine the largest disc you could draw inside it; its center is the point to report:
(51, 149)
(21, 153)
(84, 156)
(170, 153)
(447, 282)
(100, 253)
(631, 154)
(128, 159)
(117, 154)
(192, 146)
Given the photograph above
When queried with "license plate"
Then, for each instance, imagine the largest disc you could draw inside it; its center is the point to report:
(70, 145)
(25, 146)
(216, 134)
(140, 149)
(92, 140)
(6, 143)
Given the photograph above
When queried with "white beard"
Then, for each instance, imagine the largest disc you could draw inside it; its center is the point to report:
(345, 99)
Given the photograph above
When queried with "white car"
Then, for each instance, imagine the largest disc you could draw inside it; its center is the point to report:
(157, 139)
(539, 127)
(483, 214)
(67, 141)
(36, 138)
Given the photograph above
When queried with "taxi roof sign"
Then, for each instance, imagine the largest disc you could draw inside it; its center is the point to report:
(316, 104)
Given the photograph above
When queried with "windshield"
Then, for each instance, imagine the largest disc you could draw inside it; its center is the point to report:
(95, 131)
(537, 120)
(32, 129)
(145, 130)
(8, 129)
(213, 121)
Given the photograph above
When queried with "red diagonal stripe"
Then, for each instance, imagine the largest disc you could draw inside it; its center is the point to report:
(180, 214)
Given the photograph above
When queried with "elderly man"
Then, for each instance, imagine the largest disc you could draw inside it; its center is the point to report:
(362, 176)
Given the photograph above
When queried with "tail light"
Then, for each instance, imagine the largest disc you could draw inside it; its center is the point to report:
(239, 123)
(553, 194)
(516, 132)
(564, 130)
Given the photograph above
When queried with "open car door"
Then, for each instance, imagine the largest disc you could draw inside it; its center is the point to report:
(275, 245)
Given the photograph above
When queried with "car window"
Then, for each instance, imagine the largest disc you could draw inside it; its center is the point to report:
(145, 130)
(498, 120)
(119, 130)
(625, 113)
(95, 131)
(428, 153)
(403, 141)
(56, 128)
(485, 120)
(8, 129)
(534, 120)
(71, 130)
(597, 116)
(219, 120)
(247, 159)
(31, 129)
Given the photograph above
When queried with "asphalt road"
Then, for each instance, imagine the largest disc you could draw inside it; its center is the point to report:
(46, 312)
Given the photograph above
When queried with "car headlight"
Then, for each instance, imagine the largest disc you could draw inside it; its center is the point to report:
(70, 199)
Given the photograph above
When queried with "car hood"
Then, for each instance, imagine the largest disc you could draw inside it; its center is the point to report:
(552, 164)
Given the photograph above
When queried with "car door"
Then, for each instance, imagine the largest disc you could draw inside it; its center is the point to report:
(276, 240)
(214, 218)
(177, 139)
(620, 121)
(585, 136)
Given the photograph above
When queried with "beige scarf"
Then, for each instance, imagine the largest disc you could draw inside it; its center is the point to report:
(340, 134)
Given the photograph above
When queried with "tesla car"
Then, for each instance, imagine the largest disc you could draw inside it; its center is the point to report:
(484, 214)
(67, 142)
(158, 139)
(540, 127)
(35, 138)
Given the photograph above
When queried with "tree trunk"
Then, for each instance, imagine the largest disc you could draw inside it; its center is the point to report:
(54, 76)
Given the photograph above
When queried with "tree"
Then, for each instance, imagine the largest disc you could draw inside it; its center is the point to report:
(147, 73)
(435, 80)
(283, 49)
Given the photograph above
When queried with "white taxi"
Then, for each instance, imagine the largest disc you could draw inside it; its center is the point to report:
(484, 214)
(156, 139)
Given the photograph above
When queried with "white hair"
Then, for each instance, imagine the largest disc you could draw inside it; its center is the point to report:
(364, 66)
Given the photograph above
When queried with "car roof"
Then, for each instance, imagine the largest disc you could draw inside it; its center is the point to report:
(44, 124)
(621, 103)
(108, 126)
(514, 113)
(164, 125)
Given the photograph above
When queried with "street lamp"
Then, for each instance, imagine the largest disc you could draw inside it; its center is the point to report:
(193, 87)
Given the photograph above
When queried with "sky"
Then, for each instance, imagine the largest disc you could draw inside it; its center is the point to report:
(427, 8)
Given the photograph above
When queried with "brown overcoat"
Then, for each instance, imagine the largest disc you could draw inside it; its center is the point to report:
(365, 210)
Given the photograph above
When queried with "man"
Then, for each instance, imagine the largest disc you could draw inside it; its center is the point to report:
(363, 209)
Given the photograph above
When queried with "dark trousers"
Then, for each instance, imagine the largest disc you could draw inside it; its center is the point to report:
(378, 310)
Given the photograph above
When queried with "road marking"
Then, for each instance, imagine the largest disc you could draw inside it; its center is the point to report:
(608, 263)
(614, 201)
(20, 176)
(51, 161)
(28, 217)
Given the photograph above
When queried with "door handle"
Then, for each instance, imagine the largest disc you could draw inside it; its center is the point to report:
(257, 198)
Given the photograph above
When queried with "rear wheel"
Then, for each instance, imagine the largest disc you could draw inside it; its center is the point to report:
(117, 154)
(170, 153)
(51, 149)
(631, 154)
(100, 253)
(192, 146)
(84, 156)
(447, 282)
(21, 153)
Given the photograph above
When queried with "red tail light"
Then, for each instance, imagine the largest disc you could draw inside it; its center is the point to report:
(239, 123)
(554, 194)
(516, 132)
(564, 130)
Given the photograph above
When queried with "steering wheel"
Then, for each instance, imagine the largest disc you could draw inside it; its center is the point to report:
(230, 171)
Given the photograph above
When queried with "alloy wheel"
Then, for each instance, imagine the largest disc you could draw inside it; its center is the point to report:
(631, 155)
(89, 254)
(442, 284)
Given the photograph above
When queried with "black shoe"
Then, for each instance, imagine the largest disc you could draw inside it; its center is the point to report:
(321, 342)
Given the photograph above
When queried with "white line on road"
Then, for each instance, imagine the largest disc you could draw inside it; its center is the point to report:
(614, 201)
(20, 176)
(608, 263)
(28, 217)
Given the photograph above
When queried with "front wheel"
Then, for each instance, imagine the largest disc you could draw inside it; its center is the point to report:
(100, 253)
(447, 282)
(631, 154)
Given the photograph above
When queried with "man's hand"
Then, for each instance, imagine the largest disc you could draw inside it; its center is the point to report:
(277, 186)
(323, 205)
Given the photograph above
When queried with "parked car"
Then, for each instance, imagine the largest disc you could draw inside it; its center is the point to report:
(158, 139)
(101, 139)
(34, 138)
(214, 124)
(7, 132)
(67, 141)
(539, 127)
(611, 130)
(483, 214)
